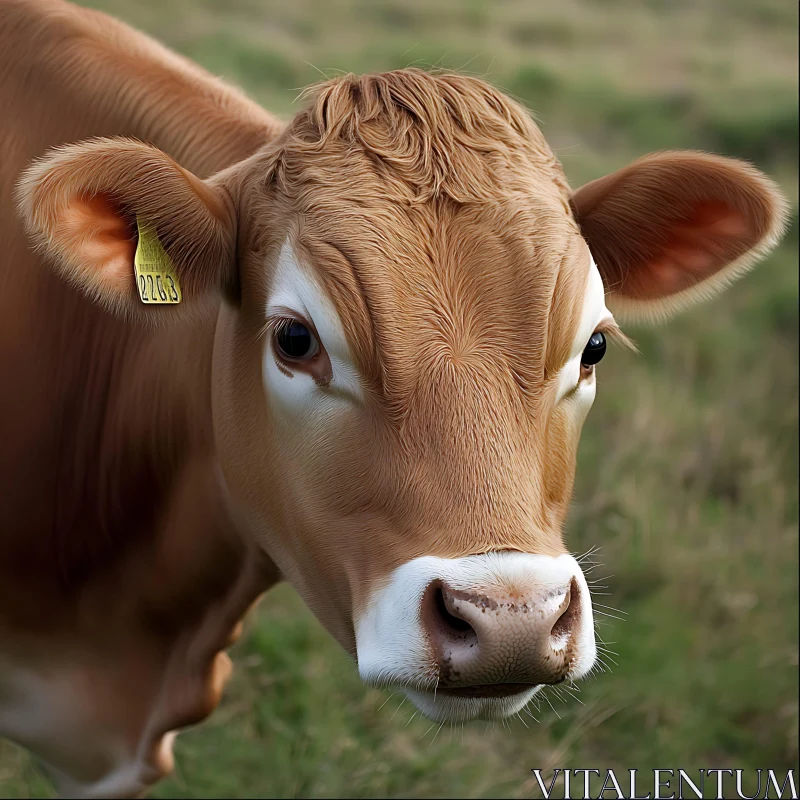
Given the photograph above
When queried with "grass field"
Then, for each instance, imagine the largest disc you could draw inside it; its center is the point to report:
(688, 466)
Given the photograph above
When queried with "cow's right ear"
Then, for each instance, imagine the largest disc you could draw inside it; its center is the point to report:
(84, 205)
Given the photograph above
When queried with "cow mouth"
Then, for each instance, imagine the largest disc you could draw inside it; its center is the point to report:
(486, 690)
(454, 704)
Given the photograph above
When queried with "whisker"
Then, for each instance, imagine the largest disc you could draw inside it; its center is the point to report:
(437, 732)
(386, 700)
(590, 552)
(552, 706)
(611, 608)
(602, 661)
(427, 732)
(530, 714)
(575, 697)
(397, 709)
(612, 616)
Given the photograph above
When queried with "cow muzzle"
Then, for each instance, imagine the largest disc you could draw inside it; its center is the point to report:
(477, 636)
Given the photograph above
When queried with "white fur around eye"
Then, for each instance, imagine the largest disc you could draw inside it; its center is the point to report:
(295, 290)
(594, 310)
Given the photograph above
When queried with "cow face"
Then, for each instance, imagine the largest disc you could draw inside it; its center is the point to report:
(411, 379)
(415, 308)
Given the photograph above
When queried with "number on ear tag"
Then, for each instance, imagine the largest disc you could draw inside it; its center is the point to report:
(156, 278)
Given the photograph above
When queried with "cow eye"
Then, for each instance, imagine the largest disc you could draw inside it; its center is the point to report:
(295, 341)
(594, 351)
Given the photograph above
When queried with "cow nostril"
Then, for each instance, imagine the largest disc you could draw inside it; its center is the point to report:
(568, 619)
(451, 621)
(442, 619)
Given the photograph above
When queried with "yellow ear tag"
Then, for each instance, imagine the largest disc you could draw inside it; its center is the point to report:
(156, 278)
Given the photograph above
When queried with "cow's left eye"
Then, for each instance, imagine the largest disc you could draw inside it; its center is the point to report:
(594, 351)
(295, 341)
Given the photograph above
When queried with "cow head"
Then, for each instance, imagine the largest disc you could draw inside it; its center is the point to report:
(414, 307)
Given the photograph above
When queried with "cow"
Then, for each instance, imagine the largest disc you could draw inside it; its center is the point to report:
(361, 365)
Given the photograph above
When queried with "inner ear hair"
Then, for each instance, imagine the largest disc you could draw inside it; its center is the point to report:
(81, 203)
(674, 228)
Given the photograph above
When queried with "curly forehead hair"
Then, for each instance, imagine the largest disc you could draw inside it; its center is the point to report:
(439, 134)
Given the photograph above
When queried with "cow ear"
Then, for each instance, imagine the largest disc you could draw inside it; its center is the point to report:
(676, 227)
(87, 204)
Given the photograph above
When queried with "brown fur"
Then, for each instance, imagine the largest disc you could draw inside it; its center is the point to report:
(118, 560)
(439, 222)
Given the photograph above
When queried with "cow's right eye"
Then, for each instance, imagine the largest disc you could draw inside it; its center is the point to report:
(595, 350)
(294, 341)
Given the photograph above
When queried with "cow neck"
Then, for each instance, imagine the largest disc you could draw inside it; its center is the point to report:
(132, 410)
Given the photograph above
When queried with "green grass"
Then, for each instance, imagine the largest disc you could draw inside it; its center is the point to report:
(688, 465)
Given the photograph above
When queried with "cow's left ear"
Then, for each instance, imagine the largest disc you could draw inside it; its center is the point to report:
(87, 204)
(676, 227)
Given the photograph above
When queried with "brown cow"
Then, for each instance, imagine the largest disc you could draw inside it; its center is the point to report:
(373, 386)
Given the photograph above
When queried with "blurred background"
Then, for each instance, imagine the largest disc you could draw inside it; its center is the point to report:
(688, 467)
